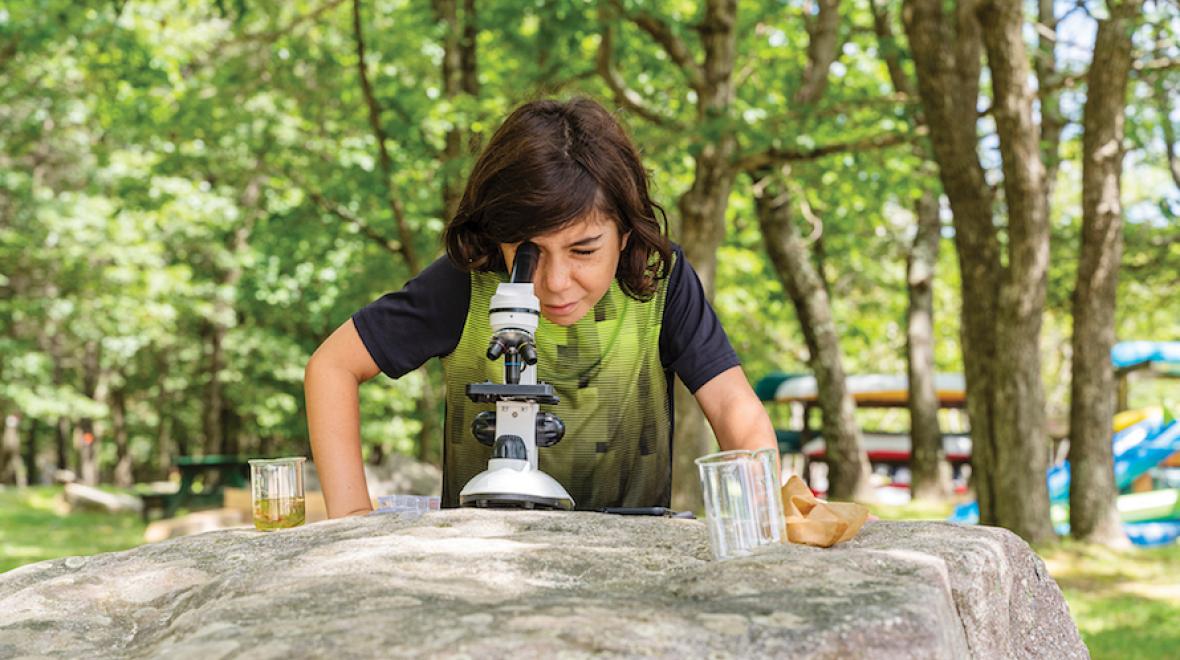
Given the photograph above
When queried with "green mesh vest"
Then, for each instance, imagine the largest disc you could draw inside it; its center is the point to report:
(614, 400)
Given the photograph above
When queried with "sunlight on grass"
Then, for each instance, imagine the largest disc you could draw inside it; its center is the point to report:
(1126, 602)
(37, 527)
(912, 511)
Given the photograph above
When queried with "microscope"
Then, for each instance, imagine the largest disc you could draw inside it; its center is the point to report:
(517, 428)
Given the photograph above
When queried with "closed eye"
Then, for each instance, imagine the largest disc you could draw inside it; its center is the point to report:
(585, 253)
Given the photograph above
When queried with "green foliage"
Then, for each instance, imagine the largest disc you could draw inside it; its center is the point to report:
(175, 175)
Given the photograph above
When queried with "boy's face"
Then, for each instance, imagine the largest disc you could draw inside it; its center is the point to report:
(576, 267)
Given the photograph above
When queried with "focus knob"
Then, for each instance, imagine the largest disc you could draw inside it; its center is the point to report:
(483, 427)
(510, 446)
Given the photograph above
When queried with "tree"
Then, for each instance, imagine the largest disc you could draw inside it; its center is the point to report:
(927, 480)
(926, 453)
(1002, 303)
(702, 207)
(1093, 511)
(848, 466)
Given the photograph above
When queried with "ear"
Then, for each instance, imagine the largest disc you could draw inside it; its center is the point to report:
(623, 241)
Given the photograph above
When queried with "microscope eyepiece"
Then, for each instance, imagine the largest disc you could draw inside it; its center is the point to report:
(524, 263)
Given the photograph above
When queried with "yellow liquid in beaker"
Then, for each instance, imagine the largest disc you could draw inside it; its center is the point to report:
(279, 513)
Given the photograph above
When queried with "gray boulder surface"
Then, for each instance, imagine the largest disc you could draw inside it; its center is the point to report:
(495, 583)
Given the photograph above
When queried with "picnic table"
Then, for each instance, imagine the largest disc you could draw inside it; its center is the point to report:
(230, 470)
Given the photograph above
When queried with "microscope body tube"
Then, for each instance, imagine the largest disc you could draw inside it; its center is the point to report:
(514, 316)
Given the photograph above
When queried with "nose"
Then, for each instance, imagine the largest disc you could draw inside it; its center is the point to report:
(553, 273)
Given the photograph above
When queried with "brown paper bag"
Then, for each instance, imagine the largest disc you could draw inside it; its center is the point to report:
(814, 522)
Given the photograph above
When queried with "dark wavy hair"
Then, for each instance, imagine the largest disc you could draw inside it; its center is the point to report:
(548, 165)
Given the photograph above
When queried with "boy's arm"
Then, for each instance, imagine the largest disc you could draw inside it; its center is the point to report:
(738, 419)
(330, 384)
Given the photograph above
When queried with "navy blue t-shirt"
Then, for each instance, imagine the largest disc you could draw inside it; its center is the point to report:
(404, 329)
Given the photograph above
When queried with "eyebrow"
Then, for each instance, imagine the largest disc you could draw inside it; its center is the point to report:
(585, 241)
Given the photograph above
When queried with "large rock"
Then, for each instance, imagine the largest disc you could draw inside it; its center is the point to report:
(485, 583)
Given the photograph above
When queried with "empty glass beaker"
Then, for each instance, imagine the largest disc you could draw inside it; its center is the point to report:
(743, 503)
(277, 488)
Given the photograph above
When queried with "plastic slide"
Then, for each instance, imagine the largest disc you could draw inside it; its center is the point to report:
(1137, 448)
(1147, 454)
(1150, 518)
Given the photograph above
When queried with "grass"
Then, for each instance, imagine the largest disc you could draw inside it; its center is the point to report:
(35, 526)
(1126, 602)
(911, 511)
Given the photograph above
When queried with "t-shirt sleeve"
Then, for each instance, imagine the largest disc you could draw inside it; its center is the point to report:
(404, 329)
(692, 341)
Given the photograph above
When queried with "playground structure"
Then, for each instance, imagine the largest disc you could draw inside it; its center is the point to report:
(1145, 442)
(1146, 448)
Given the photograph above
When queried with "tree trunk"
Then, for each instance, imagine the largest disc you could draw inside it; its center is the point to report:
(61, 442)
(164, 421)
(822, 50)
(1048, 95)
(947, 61)
(890, 51)
(30, 451)
(1093, 512)
(87, 438)
(62, 432)
(123, 476)
(1020, 493)
(231, 430)
(266, 448)
(848, 467)
(1001, 307)
(460, 78)
(87, 442)
(928, 479)
(1164, 108)
(702, 212)
(459, 75)
(11, 469)
(183, 441)
(224, 316)
(925, 437)
(211, 418)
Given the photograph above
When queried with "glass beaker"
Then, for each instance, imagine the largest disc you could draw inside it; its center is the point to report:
(276, 486)
(769, 496)
(743, 504)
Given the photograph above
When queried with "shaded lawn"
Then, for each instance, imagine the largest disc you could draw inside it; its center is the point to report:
(34, 526)
(1126, 602)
